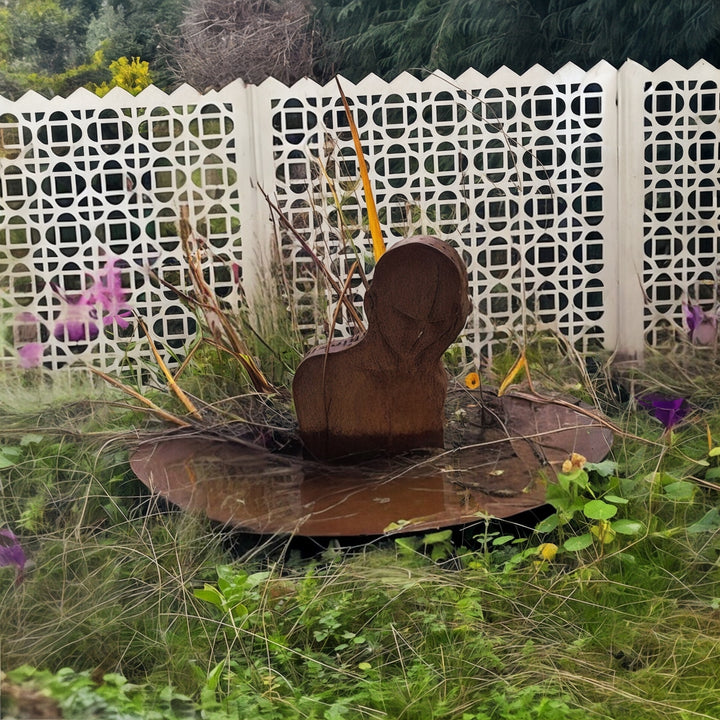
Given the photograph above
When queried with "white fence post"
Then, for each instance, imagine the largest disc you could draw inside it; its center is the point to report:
(631, 299)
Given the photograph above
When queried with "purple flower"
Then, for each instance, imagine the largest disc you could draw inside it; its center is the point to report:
(31, 354)
(77, 320)
(84, 314)
(702, 326)
(107, 291)
(668, 410)
(11, 553)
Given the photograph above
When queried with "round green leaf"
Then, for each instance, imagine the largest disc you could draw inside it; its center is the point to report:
(599, 510)
(579, 542)
(680, 491)
(627, 527)
(709, 522)
(604, 468)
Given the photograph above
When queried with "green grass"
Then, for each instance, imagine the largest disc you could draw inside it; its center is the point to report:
(129, 610)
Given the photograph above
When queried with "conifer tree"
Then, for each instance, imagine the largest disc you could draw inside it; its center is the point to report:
(365, 36)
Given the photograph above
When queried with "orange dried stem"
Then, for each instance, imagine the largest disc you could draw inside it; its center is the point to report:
(133, 393)
(181, 396)
(373, 220)
(518, 365)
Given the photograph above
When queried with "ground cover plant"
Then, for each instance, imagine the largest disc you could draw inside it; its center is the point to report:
(121, 607)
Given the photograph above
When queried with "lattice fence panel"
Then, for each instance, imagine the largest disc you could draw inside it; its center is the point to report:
(517, 172)
(85, 182)
(520, 173)
(681, 185)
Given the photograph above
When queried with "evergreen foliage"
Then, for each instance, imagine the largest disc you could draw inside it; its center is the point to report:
(452, 35)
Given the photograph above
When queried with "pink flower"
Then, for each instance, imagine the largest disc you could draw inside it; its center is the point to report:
(31, 354)
(107, 291)
(78, 319)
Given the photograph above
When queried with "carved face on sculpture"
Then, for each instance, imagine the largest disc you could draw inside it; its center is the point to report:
(418, 298)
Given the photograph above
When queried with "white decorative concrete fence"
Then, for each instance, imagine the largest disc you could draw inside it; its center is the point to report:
(587, 202)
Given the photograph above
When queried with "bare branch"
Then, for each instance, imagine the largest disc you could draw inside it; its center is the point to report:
(248, 39)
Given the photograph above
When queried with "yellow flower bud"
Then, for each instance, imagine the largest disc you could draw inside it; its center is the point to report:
(548, 551)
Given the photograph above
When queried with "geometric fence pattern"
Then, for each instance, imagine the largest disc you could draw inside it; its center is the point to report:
(515, 172)
(84, 182)
(583, 201)
(681, 183)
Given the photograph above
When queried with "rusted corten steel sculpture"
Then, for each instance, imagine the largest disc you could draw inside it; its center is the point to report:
(385, 390)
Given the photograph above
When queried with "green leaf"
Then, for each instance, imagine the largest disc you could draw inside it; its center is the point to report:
(9, 456)
(709, 522)
(503, 539)
(714, 452)
(408, 544)
(559, 497)
(599, 510)
(616, 499)
(548, 524)
(239, 611)
(210, 594)
(213, 677)
(713, 473)
(437, 537)
(579, 477)
(604, 468)
(399, 525)
(255, 579)
(6, 462)
(563, 482)
(579, 542)
(627, 527)
(230, 575)
(680, 491)
(31, 439)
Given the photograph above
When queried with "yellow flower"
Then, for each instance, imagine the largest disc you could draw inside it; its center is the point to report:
(548, 551)
(472, 381)
(578, 460)
(575, 462)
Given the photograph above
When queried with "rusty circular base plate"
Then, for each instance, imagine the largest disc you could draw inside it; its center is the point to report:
(499, 471)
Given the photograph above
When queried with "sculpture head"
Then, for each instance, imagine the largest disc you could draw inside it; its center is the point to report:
(418, 299)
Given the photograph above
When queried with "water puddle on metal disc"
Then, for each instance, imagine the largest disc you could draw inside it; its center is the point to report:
(499, 470)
